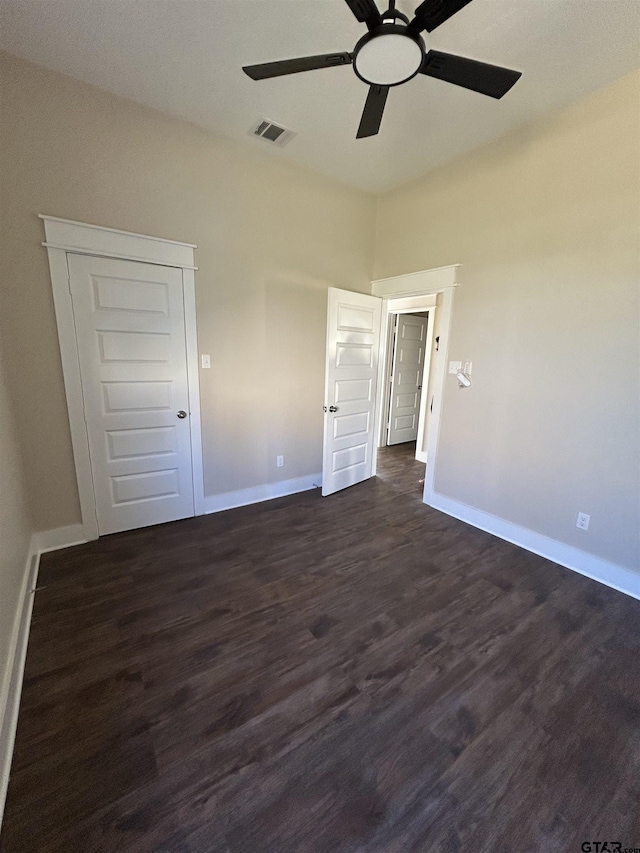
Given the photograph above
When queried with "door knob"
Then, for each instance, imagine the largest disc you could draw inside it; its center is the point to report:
(182, 414)
(333, 408)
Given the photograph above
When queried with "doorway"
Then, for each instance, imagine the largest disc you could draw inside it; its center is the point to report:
(399, 314)
(358, 373)
(409, 358)
(125, 311)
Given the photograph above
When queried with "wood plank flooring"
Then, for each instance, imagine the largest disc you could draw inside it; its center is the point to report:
(356, 673)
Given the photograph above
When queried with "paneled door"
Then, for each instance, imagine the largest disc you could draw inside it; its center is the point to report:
(406, 378)
(353, 341)
(130, 329)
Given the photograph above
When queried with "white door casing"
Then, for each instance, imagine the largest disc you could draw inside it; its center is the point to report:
(65, 236)
(130, 332)
(419, 292)
(351, 372)
(426, 401)
(406, 377)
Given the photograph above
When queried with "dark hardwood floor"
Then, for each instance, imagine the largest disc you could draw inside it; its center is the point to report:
(354, 673)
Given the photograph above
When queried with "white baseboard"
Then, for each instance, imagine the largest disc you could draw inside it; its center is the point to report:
(257, 494)
(61, 537)
(610, 574)
(11, 686)
(12, 682)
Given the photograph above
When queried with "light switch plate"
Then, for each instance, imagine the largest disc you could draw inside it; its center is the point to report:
(206, 361)
(455, 366)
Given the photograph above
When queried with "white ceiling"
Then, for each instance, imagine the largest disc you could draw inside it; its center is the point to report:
(185, 57)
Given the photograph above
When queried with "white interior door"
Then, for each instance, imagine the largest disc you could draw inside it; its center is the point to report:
(353, 341)
(130, 329)
(406, 377)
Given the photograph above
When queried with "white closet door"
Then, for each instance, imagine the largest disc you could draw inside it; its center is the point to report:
(406, 378)
(129, 319)
(353, 341)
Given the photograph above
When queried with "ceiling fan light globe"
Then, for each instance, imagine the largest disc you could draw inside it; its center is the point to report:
(388, 56)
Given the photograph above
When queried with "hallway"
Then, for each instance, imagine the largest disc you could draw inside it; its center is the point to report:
(399, 470)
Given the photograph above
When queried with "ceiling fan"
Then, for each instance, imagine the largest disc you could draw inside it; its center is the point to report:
(393, 52)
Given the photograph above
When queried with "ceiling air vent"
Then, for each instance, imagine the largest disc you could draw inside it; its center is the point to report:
(272, 132)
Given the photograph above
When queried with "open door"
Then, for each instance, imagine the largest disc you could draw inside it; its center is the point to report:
(351, 375)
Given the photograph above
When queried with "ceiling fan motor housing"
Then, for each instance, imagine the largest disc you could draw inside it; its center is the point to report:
(388, 55)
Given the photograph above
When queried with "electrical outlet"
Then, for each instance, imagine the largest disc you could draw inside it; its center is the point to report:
(455, 366)
(279, 461)
(206, 361)
(583, 521)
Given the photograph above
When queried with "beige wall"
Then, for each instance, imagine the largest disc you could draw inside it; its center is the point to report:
(546, 223)
(271, 239)
(15, 535)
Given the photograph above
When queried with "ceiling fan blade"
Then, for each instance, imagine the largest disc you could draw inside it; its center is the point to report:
(295, 66)
(487, 79)
(372, 113)
(366, 12)
(432, 13)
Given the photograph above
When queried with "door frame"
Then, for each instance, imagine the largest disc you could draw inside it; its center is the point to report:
(416, 292)
(65, 237)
